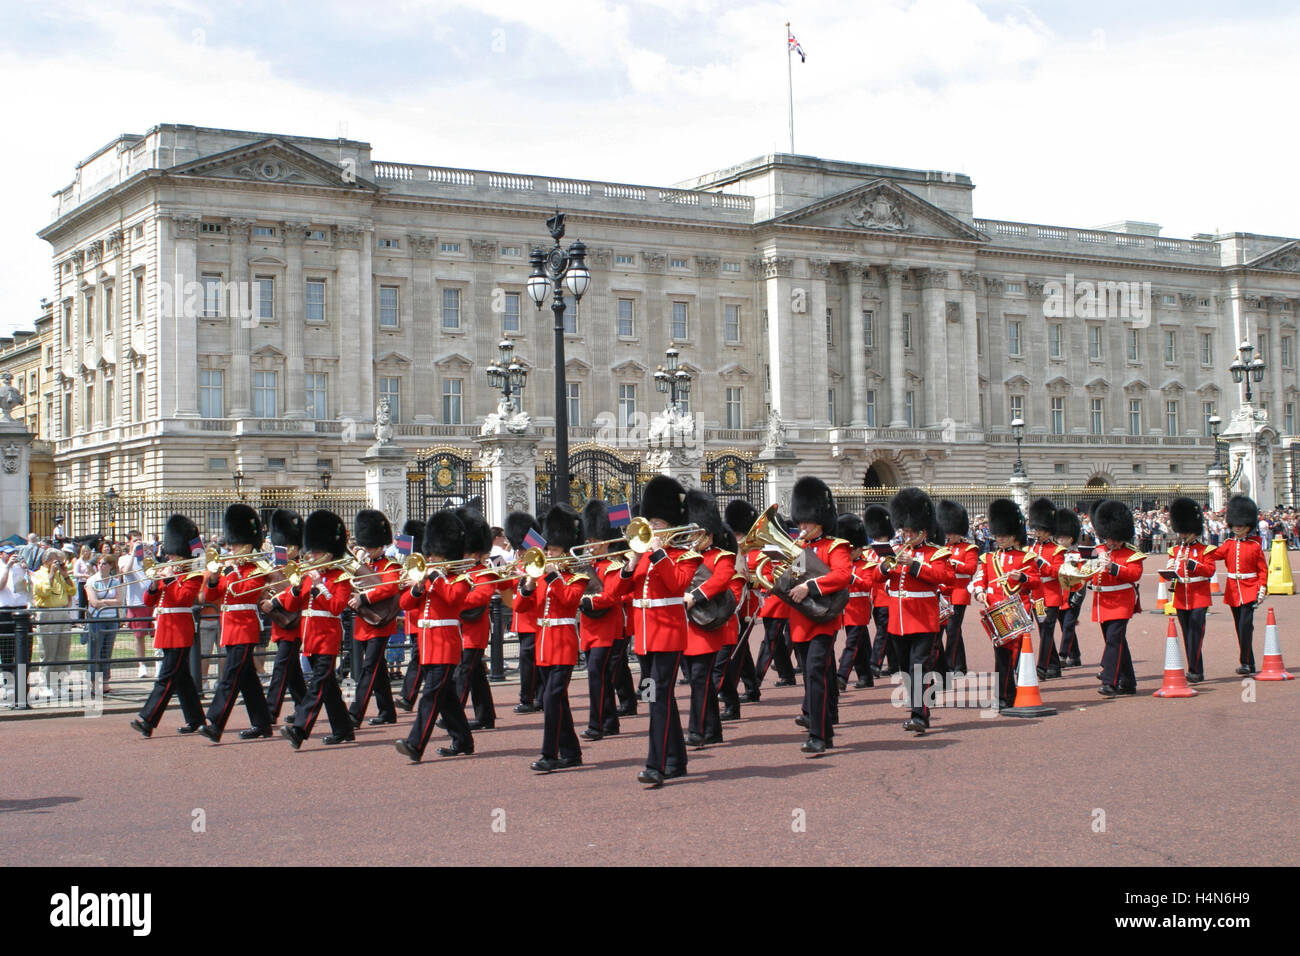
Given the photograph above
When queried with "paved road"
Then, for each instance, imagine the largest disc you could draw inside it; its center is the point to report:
(1208, 781)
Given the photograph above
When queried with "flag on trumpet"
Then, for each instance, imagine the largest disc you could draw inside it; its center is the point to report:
(139, 550)
(620, 515)
(534, 540)
(405, 544)
(196, 546)
(280, 555)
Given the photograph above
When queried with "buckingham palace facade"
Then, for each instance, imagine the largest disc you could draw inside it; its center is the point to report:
(226, 300)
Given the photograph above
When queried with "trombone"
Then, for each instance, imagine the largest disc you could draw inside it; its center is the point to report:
(415, 569)
(531, 564)
(639, 534)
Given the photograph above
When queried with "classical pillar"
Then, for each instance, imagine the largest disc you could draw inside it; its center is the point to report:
(781, 468)
(349, 239)
(897, 356)
(1274, 374)
(295, 387)
(856, 366)
(817, 355)
(243, 315)
(422, 319)
(385, 465)
(970, 339)
(15, 469)
(1218, 479)
(937, 371)
(1021, 489)
(789, 389)
(511, 464)
(1240, 328)
(186, 302)
(359, 399)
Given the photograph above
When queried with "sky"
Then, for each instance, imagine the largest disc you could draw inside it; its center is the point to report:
(1062, 113)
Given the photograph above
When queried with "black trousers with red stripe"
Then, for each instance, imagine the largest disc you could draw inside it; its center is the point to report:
(438, 698)
(1193, 626)
(1047, 655)
(621, 673)
(239, 676)
(411, 679)
(821, 690)
(472, 681)
(775, 649)
(322, 691)
(373, 681)
(705, 718)
(286, 674)
(954, 655)
(1070, 627)
(559, 739)
(529, 685)
(173, 678)
(1116, 661)
(1004, 662)
(1243, 619)
(856, 654)
(602, 714)
(882, 649)
(659, 681)
(917, 652)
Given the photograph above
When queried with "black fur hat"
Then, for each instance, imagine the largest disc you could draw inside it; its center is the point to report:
(414, 529)
(243, 526)
(851, 529)
(562, 528)
(1067, 525)
(1242, 510)
(518, 524)
(877, 522)
(702, 509)
(1185, 516)
(286, 528)
(372, 529)
(1005, 517)
(911, 508)
(177, 535)
(952, 517)
(740, 516)
(1042, 515)
(444, 535)
(1112, 520)
(811, 500)
(595, 521)
(325, 531)
(664, 498)
(478, 536)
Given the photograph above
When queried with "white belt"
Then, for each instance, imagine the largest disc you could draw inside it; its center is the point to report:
(556, 621)
(311, 612)
(441, 622)
(1193, 581)
(238, 607)
(656, 602)
(1112, 587)
(173, 610)
(859, 594)
(962, 577)
(911, 594)
(1233, 576)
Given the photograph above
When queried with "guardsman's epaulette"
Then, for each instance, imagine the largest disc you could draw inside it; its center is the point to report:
(615, 564)
(1136, 556)
(581, 576)
(688, 555)
(739, 577)
(939, 553)
(722, 552)
(1209, 548)
(1058, 550)
(1171, 551)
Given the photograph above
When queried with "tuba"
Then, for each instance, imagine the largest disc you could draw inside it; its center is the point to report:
(795, 564)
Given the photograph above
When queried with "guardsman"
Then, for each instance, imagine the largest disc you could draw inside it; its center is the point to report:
(774, 650)
(1246, 571)
(1048, 556)
(715, 585)
(1067, 530)
(321, 595)
(601, 623)
(880, 529)
(813, 507)
(172, 599)
(286, 626)
(735, 664)
(376, 610)
(658, 578)
(476, 624)
(1004, 573)
(857, 613)
(241, 629)
(1193, 561)
(524, 623)
(439, 598)
(413, 529)
(1114, 589)
(554, 600)
(963, 555)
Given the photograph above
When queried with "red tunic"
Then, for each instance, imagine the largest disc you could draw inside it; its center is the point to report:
(439, 605)
(722, 567)
(657, 580)
(835, 553)
(912, 592)
(993, 569)
(238, 598)
(279, 633)
(1114, 596)
(772, 605)
(522, 620)
(1246, 567)
(603, 631)
(173, 614)
(963, 557)
(555, 602)
(389, 571)
(1195, 566)
(1049, 556)
(858, 610)
(476, 630)
(321, 604)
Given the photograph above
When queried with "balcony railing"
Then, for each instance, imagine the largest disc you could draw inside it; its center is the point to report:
(1050, 236)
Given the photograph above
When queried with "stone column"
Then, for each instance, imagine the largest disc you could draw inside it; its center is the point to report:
(937, 372)
(781, 466)
(1218, 479)
(1274, 360)
(422, 317)
(510, 461)
(970, 334)
(856, 367)
(1021, 489)
(787, 389)
(385, 466)
(185, 337)
(295, 385)
(1250, 454)
(348, 240)
(818, 357)
(243, 315)
(897, 357)
(358, 396)
(15, 472)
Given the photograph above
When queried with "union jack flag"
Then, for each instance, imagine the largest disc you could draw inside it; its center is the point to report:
(620, 515)
(534, 540)
(405, 544)
(794, 46)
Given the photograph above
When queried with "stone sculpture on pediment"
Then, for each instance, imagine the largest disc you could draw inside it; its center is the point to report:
(877, 211)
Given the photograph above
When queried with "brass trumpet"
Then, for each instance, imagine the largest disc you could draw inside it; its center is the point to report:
(1072, 575)
(415, 569)
(639, 534)
(531, 564)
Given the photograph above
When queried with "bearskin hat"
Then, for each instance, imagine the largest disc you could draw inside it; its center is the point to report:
(851, 529)
(325, 531)
(911, 508)
(444, 536)
(811, 500)
(177, 535)
(1005, 518)
(877, 522)
(595, 521)
(478, 536)
(1242, 510)
(372, 529)
(286, 528)
(1112, 520)
(413, 528)
(664, 498)
(740, 515)
(1067, 525)
(1042, 515)
(702, 509)
(518, 524)
(243, 526)
(1186, 517)
(562, 527)
(952, 518)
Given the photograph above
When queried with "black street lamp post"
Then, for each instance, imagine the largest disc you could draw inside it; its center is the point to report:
(553, 272)
(507, 374)
(111, 496)
(1018, 432)
(1215, 422)
(1244, 369)
(239, 482)
(674, 381)
(325, 478)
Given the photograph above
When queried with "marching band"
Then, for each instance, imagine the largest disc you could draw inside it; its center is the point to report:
(686, 585)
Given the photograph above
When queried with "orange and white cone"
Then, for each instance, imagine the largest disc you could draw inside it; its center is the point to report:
(1175, 682)
(1273, 668)
(1214, 583)
(1029, 702)
(1162, 595)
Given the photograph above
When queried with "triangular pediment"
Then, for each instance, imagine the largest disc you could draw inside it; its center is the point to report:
(1285, 258)
(733, 370)
(272, 160)
(1136, 385)
(629, 367)
(393, 358)
(1016, 381)
(575, 365)
(1060, 384)
(881, 207)
(452, 360)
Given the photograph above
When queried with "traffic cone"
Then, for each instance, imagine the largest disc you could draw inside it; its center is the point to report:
(1029, 702)
(1273, 668)
(1214, 582)
(1162, 596)
(1279, 568)
(1175, 682)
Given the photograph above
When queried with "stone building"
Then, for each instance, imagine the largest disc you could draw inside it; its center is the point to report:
(226, 300)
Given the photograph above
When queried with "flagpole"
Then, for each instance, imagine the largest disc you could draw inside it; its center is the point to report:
(789, 82)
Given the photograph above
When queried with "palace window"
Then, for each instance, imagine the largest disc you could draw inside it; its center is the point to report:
(266, 298)
(1135, 416)
(734, 407)
(1207, 349)
(1055, 340)
(510, 312)
(1171, 419)
(910, 405)
(731, 324)
(1058, 415)
(212, 403)
(868, 329)
(626, 311)
(451, 309)
(871, 408)
(317, 396)
(1207, 412)
(315, 300)
(626, 405)
(388, 306)
(681, 324)
(1096, 422)
(390, 387)
(211, 295)
(266, 395)
(451, 401)
(1013, 338)
(1171, 346)
(575, 402)
(1094, 343)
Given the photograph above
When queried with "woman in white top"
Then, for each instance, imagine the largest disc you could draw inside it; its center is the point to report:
(104, 594)
(81, 569)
